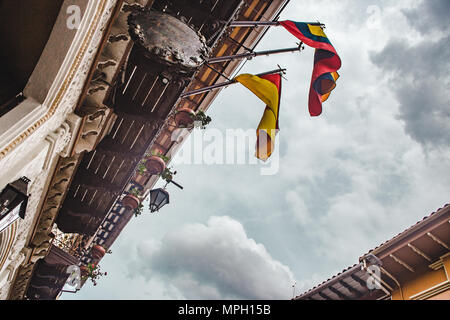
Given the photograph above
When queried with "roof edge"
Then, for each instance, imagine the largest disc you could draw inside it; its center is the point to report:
(433, 220)
(330, 282)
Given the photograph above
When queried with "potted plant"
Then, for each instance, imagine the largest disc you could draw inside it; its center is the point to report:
(139, 210)
(98, 252)
(92, 272)
(131, 200)
(201, 120)
(187, 118)
(167, 174)
(141, 169)
(156, 163)
(184, 118)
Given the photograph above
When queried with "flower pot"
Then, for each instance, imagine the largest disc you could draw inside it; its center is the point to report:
(98, 252)
(131, 202)
(84, 271)
(155, 165)
(184, 118)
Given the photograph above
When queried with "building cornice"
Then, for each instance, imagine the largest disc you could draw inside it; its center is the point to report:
(430, 292)
(73, 72)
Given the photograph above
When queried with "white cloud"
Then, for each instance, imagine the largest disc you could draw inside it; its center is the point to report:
(299, 209)
(215, 260)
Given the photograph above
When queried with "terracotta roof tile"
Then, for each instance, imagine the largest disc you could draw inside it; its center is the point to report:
(328, 280)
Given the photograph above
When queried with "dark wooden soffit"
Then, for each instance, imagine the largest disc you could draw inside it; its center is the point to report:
(415, 250)
(350, 284)
(143, 103)
(230, 42)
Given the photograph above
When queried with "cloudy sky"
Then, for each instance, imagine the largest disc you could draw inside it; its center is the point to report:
(375, 162)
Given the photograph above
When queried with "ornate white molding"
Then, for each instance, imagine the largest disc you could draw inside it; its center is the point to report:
(53, 133)
(72, 75)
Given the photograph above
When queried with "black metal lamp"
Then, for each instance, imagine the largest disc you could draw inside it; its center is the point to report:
(13, 202)
(158, 199)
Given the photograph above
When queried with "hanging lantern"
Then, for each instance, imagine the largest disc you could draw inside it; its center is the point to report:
(13, 202)
(158, 199)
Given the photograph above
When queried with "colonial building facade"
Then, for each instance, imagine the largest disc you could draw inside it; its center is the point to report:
(414, 265)
(90, 89)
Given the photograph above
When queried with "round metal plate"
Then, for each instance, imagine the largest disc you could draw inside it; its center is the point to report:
(168, 39)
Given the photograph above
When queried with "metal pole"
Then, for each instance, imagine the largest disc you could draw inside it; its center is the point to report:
(206, 89)
(225, 84)
(265, 23)
(279, 70)
(179, 186)
(253, 23)
(253, 54)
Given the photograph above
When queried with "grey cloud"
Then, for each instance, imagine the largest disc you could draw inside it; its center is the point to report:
(215, 261)
(324, 188)
(429, 15)
(425, 59)
(391, 188)
(420, 81)
(420, 75)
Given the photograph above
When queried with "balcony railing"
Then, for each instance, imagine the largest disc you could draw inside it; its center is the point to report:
(72, 246)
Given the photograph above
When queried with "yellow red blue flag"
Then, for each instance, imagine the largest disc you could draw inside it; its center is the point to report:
(326, 62)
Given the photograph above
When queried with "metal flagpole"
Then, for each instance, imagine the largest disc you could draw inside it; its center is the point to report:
(206, 89)
(253, 23)
(227, 83)
(250, 55)
(279, 70)
(265, 23)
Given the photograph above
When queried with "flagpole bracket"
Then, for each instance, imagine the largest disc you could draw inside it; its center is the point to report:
(282, 72)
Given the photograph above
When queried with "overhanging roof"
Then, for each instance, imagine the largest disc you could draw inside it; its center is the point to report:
(405, 256)
(350, 284)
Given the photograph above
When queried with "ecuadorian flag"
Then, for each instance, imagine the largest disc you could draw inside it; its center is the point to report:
(268, 89)
(326, 62)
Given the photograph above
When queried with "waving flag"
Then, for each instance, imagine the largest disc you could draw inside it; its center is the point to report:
(326, 62)
(268, 89)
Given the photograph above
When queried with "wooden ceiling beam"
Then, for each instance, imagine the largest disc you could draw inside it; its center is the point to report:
(323, 295)
(351, 289)
(339, 294)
